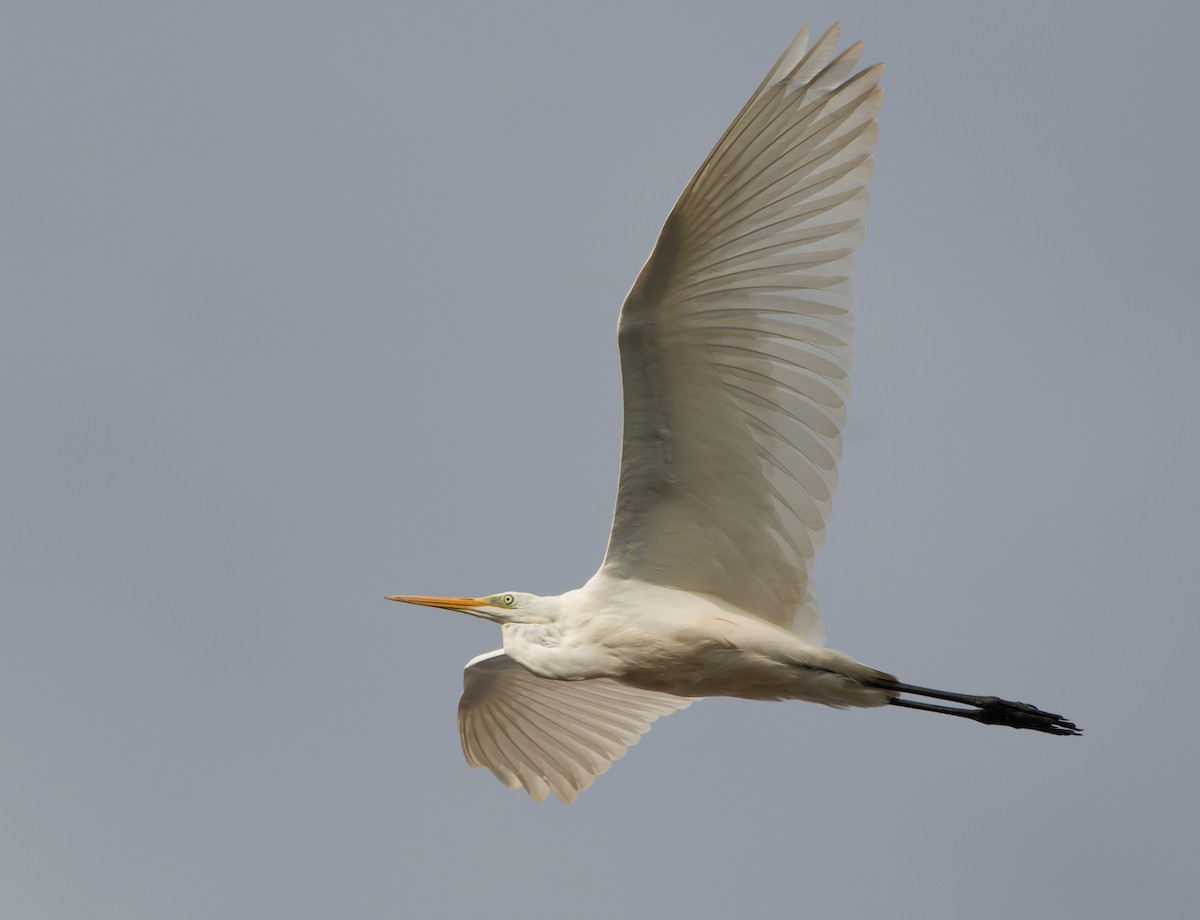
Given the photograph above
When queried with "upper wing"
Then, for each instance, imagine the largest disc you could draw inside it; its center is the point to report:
(734, 347)
(550, 735)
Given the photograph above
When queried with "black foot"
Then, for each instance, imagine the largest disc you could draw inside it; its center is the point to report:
(988, 710)
(996, 711)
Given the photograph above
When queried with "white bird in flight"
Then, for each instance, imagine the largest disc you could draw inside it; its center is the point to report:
(734, 357)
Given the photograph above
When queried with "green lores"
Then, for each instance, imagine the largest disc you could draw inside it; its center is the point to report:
(501, 600)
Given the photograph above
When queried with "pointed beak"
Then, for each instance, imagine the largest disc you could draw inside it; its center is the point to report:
(462, 604)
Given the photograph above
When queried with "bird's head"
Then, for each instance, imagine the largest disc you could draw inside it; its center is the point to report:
(508, 607)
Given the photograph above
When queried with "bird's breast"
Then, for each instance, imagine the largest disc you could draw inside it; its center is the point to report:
(556, 654)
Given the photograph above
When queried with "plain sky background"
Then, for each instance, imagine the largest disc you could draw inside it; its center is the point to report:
(305, 304)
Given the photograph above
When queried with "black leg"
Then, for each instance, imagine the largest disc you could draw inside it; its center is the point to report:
(989, 710)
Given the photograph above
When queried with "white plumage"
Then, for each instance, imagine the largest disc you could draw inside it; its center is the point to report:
(735, 359)
(735, 347)
(550, 735)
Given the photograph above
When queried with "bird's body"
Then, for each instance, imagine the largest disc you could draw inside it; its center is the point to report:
(689, 645)
(735, 359)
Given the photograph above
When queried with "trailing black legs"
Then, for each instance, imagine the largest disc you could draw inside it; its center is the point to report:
(989, 710)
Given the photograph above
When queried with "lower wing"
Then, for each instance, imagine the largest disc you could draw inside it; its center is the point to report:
(550, 735)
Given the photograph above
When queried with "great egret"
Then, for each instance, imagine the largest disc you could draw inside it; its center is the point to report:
(734, 355)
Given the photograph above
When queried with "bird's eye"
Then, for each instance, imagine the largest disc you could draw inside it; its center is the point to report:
(507, 600)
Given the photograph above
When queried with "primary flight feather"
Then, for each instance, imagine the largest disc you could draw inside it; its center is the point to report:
(735, 359)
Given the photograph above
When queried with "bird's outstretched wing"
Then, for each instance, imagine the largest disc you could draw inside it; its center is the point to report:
(734, 347)
(550, 735)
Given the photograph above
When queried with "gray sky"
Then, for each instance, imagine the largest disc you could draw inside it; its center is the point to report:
(308, 304)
